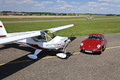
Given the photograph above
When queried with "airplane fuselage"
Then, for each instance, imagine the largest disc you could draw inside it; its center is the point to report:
(39, 40)
(56, 43)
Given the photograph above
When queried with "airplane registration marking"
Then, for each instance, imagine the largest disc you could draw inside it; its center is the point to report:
(49, 57)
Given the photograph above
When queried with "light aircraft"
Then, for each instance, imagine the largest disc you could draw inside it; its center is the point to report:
(38, 40)
(88, 18)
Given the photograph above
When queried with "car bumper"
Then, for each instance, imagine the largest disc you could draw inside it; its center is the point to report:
(89, 51)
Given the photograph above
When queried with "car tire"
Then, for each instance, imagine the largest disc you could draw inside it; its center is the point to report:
(82, 50)
(100, 52)
(104, 48)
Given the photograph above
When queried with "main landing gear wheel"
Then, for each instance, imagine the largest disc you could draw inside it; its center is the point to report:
(61, 55)
(32, 56)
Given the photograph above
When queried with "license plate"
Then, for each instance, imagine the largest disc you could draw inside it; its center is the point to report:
(88, 51)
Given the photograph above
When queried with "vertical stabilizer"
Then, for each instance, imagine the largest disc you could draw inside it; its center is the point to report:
(3, 32)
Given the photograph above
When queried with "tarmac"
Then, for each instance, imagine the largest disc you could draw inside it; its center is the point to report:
(15, 65)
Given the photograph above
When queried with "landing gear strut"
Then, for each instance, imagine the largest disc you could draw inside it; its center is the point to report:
(64, 55)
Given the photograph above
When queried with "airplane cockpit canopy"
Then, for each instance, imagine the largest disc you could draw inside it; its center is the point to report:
(50, 33)
(46, 35)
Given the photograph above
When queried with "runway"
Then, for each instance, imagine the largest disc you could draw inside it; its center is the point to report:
(56, 20)
(14, 64)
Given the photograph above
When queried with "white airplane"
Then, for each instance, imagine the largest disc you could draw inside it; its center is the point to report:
(88, 18)
(39, 40)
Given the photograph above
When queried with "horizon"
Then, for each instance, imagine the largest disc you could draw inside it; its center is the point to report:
(62, 6)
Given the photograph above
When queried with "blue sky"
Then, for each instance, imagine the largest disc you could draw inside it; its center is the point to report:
(62, 6)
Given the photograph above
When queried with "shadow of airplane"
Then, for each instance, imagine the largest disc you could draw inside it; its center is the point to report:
(14, 45)
(22, 62)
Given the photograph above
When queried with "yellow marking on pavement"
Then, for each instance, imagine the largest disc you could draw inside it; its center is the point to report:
(49, 57)
(16, 62)
(2, 64)
(76, 53)
(113, 47)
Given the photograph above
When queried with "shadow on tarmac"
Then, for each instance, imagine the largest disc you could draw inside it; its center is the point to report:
(22, 62)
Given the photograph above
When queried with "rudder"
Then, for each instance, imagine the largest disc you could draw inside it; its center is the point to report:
(3, 32)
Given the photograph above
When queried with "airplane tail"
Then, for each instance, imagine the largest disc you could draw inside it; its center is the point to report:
(3, 32)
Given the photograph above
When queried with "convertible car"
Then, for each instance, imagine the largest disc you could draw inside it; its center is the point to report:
(95, 43)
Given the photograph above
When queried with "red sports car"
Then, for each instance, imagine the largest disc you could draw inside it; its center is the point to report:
(95, 43)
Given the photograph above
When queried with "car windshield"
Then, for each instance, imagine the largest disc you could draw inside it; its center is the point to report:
(95, 37)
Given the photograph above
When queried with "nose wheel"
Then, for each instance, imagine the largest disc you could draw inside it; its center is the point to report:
(64, 55)
(61, 55)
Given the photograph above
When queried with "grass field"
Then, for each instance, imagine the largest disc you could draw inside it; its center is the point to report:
(82, 27)
(32, 18)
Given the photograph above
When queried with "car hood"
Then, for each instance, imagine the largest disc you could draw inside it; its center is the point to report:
(91, 44)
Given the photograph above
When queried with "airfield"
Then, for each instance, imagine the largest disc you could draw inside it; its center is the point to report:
(15, 65)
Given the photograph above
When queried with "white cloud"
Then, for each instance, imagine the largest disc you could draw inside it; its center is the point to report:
(104, 8)
(96, 7)
(44, 3)
(63, 5)
(110, 0)
(75, 3)
(1, 1)
(110, 5)
(104, 4)
(20, 1)
(94, 4)
(62, 2)
(117, 5)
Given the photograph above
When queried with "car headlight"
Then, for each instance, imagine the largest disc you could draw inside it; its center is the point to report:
(98, 46)
(81, 44)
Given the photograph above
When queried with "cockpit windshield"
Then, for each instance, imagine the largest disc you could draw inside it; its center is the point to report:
(49, 35)
(95, 37)
(45, 36)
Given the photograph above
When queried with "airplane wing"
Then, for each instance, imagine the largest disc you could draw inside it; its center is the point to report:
(18, 36)
(61, 28)
(11, 37)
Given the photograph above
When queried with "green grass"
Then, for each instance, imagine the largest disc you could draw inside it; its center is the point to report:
(103, 16)
(22, 18)
(82, 27)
